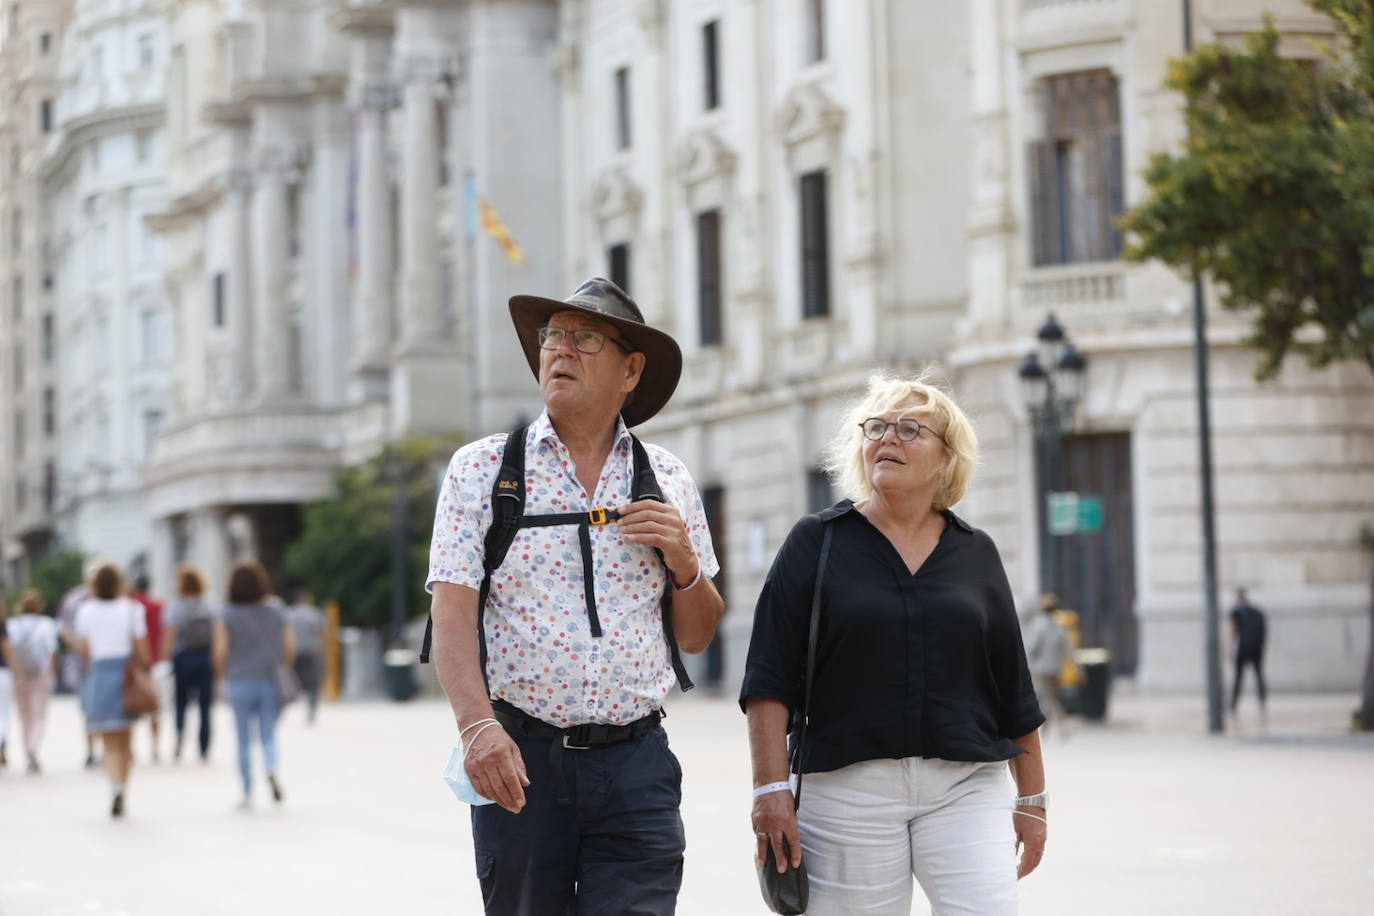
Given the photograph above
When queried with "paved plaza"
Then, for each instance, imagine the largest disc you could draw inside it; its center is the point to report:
(1149, 816)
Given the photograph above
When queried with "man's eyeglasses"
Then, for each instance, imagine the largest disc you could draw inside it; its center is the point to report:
(907, 429)
(584, 341)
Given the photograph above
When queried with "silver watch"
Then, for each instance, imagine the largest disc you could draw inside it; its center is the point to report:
(1038, 800)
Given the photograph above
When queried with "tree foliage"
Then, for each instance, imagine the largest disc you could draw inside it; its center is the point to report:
(55, 574)
(344, 551)
(1273, 193)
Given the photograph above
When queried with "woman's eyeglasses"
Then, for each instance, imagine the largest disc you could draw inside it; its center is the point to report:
(908, 429)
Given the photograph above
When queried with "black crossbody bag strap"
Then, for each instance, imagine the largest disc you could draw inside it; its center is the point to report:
(810, 662)
(644, 485)
(507, 505)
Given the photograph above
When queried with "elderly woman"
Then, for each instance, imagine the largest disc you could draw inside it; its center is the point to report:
(250, 642)
(109, 628)
(920, 694)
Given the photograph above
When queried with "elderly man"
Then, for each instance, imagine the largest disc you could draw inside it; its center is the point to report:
(558, 640)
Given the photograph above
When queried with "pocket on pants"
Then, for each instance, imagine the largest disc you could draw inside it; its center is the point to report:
(661, 737)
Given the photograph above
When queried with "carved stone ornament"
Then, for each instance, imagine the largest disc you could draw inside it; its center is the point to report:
(704, 155)
(652, 16)
(615, 194)
(808, 112)
(565, 60)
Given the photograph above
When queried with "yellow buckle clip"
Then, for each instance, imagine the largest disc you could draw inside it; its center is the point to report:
(598, 516)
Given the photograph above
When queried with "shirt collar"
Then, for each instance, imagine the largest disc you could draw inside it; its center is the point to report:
(543, 431)
(845, 506)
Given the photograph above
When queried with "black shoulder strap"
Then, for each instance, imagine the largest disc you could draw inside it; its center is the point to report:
(507, 505)
(810, 659)
(644, 485)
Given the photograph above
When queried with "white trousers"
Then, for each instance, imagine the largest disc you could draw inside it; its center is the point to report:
(868, 828)
(6, 698)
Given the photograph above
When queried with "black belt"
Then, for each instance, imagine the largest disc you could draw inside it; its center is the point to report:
(585, 737)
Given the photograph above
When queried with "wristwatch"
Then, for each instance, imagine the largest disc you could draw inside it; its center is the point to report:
(1039, 800)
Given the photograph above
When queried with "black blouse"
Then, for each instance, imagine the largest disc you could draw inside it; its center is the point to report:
(924, 665)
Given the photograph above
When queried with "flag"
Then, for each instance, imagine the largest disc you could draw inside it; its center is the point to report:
(492, 226)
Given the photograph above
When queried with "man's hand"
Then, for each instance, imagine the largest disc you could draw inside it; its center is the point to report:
(497, 769)
(1030, 838)
(656, 524)
(775, 822)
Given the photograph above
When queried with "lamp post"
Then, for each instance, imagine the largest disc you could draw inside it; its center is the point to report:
(1052, 378)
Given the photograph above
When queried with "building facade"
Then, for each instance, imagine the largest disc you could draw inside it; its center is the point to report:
(101, 176)
(29, 36)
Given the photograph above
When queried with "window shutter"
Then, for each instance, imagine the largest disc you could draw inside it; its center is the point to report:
(1042, 167)
(1116, 191)
(815, 249)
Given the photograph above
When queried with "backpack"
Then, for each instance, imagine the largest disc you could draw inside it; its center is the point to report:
(198, 631)
(508, 517)
(34, 651)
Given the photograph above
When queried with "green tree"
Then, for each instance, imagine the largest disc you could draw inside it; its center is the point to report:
(344, 551)
(54, 574)
(1272, 194)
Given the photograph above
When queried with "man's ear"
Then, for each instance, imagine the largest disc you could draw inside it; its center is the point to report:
(634, 368)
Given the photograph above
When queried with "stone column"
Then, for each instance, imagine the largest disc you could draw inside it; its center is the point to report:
(419, 214)
(161, 560)
(210, 547)
(372, 292)
(239, 293)
(270, 230)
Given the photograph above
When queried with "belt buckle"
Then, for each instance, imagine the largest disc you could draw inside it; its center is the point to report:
(574, 747)
(599, 516)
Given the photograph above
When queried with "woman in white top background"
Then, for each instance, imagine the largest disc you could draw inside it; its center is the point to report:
(33, 637)
(109, 628)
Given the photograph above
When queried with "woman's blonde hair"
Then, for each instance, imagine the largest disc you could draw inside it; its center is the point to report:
(30, 602)
(845, 456)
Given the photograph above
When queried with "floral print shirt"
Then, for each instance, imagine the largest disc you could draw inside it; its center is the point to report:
(541, 656)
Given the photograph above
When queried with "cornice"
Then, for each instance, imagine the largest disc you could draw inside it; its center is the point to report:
(374, 19)
(102, 123)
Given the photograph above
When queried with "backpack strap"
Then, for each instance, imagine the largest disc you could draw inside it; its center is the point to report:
(644, 485)
(507, 505)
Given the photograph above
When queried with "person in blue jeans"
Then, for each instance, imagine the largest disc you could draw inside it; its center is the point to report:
(189, 631)
(251, 641)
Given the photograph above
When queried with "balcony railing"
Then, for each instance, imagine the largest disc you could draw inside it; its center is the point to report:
(300, 429)
(1074, 286)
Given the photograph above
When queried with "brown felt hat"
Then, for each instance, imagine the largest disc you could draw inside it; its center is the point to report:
(602, 299)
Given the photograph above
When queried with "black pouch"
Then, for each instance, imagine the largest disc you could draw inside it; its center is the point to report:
(787, 893)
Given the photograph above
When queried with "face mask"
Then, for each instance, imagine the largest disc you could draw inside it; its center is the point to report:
(456, 775)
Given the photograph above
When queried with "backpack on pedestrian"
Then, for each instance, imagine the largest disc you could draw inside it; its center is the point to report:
(199, 630)
(33, 649)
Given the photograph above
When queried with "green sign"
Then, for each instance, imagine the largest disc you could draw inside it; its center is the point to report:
(1070, 512)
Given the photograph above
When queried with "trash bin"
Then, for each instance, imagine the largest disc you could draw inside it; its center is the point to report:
(1096, 665)
(399, 665)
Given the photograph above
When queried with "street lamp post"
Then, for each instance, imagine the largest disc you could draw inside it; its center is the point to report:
(1052, 377)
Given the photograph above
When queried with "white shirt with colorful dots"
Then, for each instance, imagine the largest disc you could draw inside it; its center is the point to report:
(541, 656)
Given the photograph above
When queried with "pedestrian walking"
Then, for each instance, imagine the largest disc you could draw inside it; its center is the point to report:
(72, 667)
(110, 629)
(557, 662)
(6, 686)
(190, 631)
(252, 641)
(920, 693)
(162, 674)
(34, 640)
(307, 623)
(1048, 650)
(1248, 637)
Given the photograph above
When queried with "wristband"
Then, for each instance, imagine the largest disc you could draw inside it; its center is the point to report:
(773, 787)
(695, 579)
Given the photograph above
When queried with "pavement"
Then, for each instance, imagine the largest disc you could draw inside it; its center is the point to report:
(1149, 814)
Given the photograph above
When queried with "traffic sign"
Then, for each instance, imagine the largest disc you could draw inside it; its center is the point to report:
(1071, 512)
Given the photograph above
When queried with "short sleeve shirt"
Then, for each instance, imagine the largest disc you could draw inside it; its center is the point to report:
(928, 664)
(542, 657)
(110, 626)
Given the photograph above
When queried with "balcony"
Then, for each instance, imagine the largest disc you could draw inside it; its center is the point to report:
(1090, 289)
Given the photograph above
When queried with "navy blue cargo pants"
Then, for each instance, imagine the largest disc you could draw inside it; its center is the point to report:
(615, 851)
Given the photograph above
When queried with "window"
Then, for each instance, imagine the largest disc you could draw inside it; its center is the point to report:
(49, 486)
(618, 265)
(49, 411)
(815, 246)
(45, 116)
(21, 494)
(1076, 171)
(148, 336)
(18, 366)
(815, 31)
(49, 339)
(295, 343)
(711, 63)
(16, 159)
(143, 146)
(622, 108)
(708, 277)
(17, 297)
(45, 43)
(819, 493)
(152, 425)
(145, 52)
(17, 229)
(293, 219)
(19, 433)
(217, 299)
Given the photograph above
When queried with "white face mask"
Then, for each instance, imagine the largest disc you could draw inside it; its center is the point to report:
(456, 775)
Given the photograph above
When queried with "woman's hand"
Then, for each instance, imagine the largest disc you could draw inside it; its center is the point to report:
(775, 822)
(1031, 830)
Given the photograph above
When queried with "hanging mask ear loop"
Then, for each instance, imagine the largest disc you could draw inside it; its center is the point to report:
(468, 743)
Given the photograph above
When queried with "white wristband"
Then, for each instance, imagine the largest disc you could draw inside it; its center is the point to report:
(773, 787)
